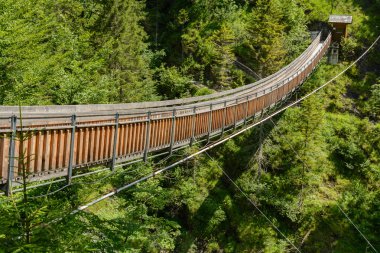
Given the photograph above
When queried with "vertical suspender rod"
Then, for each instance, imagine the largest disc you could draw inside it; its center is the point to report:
(11, 159)
(147, 137)
(172, 134)
(209, 124)
(71, 155)
(113, 162)
(193, 126)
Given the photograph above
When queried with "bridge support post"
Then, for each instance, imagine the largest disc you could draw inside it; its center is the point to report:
(172, 134)
(246, 111)
(209, 124)
(113, 162)
(8, 187)
(71, 155)
(147, 137)
(272, 103)
(224, 117)
(193, 126)
(235, 112)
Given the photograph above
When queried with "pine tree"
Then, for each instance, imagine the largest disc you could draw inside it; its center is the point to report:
(129, 56)
(48, 55)
(224, 58)
(265, 43)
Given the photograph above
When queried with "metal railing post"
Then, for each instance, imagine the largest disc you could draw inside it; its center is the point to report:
(254, 116)
(236, 105)
(193, 126)
(209, 124)
(246, 111)
(147, 138)
(172, 134)
(71, 155)
(11, 162)
(271, 97)
(224, 117)
(113, 162)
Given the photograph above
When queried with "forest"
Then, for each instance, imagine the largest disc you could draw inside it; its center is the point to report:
(313, 171)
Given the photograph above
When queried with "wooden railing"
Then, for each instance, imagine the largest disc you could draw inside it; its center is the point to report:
(66, 138)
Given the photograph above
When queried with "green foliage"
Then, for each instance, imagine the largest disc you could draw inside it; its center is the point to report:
(129, 57)
(47, 54)
(276, 33)
(54, 53)
(266, 37)
(349, 48)
(22, 218)
(210, 41)
(203, 91)
(214, 53)
(374, 101)
(323, 152)
(173, 84)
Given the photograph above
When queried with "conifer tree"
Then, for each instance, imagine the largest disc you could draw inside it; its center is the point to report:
(224, 58)
(265, 43)
(129, 56)
(48, 56)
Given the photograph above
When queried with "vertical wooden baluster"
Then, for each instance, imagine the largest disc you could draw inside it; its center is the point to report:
(28, 151)
(153, 135)
(130, 138)
(138, 136)
(61, 149)
(90, 144)
(204, 124)
(177, 127)
(102, 143)
(107, 141)
(47, 150)
(97, 144)
(182, 129)
(39, 150)
(121, 137)
(134, 138)
(160, 129)
(126, 127)
(67, 148)
(166, 130)
(53, 148)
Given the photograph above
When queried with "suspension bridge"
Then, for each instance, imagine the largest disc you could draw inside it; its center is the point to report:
(62, 140)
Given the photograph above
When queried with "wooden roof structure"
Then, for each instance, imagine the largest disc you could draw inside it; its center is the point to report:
(340, 19)
(339, 24)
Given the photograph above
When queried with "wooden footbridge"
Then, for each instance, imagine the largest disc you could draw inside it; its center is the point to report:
(63, 139)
